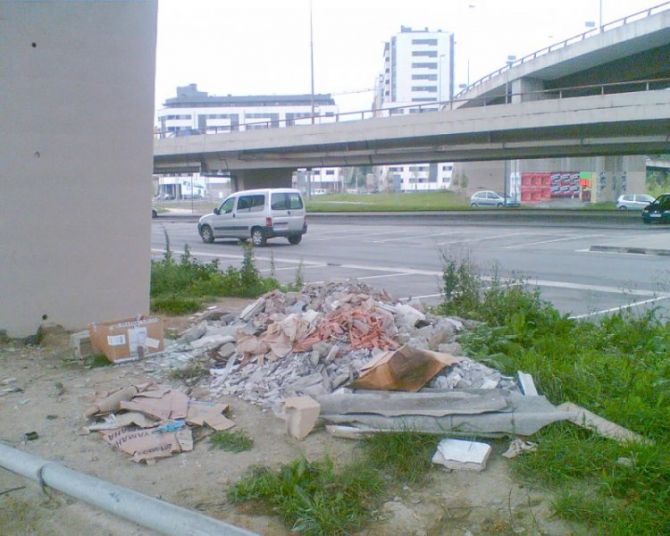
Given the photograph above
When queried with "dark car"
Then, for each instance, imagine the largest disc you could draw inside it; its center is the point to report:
(658, 211)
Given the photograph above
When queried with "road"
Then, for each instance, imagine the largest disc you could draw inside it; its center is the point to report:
(406, 258)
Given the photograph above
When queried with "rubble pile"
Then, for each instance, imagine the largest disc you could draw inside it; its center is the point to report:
(317, 340)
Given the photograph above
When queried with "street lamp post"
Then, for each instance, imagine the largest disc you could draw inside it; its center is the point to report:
(510, 61)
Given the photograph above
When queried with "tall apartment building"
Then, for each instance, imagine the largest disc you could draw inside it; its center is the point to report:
(196, 112)
(418, 70)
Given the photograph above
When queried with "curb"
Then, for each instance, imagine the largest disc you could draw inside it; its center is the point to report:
(637, 251)
(613, 219)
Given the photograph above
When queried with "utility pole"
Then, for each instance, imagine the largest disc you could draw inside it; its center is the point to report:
(311, 55)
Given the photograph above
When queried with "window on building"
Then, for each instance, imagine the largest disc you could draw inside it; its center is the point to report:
(430, 42)
(330, 172)
(428, 89)
(418, 169)
(432, 77)
(429, 65)
(178, 116)
(425, 53)
(396, 169)
(423, 99)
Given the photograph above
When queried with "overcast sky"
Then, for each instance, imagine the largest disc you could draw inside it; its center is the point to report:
(253, 47)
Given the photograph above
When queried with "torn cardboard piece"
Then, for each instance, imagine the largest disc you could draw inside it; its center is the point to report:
(462, 455)
(301, 414)
(113, 422)
(149, 444)
(110, 401)
(129, 339)
(404, 369)
(201, 413)
(172, 404)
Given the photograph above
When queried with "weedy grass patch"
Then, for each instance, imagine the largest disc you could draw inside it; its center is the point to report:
(405, 456)
(617, 367)
(231, 441)
(312, 497)
(185, 285)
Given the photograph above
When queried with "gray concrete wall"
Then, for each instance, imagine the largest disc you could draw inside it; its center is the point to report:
(77, 86)
(262, 178)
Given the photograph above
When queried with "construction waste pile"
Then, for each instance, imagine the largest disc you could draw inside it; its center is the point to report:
(355, 359)
(324, 338)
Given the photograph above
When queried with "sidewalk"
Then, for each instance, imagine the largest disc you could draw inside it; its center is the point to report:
(654, 242)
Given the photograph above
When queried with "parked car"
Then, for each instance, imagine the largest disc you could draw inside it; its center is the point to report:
(257, 215)
(633, 201)
(658, 211)
(488, 198)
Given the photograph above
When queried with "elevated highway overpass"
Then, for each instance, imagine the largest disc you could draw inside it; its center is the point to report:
(598, 94)
(610, 124)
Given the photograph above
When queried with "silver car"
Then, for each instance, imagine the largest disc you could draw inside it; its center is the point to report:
(633, 201)
(257, 215)
(489, 198)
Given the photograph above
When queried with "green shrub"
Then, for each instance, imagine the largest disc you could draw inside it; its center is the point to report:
(180, 287)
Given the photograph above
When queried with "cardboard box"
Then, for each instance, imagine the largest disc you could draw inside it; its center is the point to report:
(129, 339)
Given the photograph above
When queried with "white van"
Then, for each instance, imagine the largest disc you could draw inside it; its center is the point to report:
(258, 215)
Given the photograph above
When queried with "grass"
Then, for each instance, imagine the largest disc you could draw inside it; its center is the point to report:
(189, 373)
(618, 368)
(312, 497)
(235, 441)
(184, 286)
(97, 360)
(387, 202)
(405, 456)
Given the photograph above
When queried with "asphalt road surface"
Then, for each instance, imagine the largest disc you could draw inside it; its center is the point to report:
(406, 259)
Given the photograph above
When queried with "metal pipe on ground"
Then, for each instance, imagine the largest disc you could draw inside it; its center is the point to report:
(152, 513)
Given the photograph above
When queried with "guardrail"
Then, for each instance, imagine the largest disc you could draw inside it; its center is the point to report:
(554, 93)
(569, 41)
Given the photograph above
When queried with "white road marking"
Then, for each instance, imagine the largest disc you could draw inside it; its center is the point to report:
(269, 270)
(399, 274)
(576, 237)
(356, 234)
(620, 308)
(483, 238)
(443, 233)
(412, 271)
(408, 298)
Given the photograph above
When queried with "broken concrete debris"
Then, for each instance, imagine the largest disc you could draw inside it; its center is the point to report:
(354, 350)
(322, 338)
(152, 420)
(462, 455)
(301, 414)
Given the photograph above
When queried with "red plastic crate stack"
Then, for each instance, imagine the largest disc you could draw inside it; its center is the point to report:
(535, 186)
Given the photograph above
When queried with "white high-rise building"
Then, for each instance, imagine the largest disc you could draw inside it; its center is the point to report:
(418, 70)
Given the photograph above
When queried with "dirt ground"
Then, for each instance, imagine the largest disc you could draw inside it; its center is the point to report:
(56, 390)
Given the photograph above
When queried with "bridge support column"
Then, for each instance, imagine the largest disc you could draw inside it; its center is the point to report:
(261, 178)
(523, 87)
(76, 153)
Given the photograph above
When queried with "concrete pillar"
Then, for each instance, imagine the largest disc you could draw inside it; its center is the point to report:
(522, 89)
(249, 179)
(76, 146)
